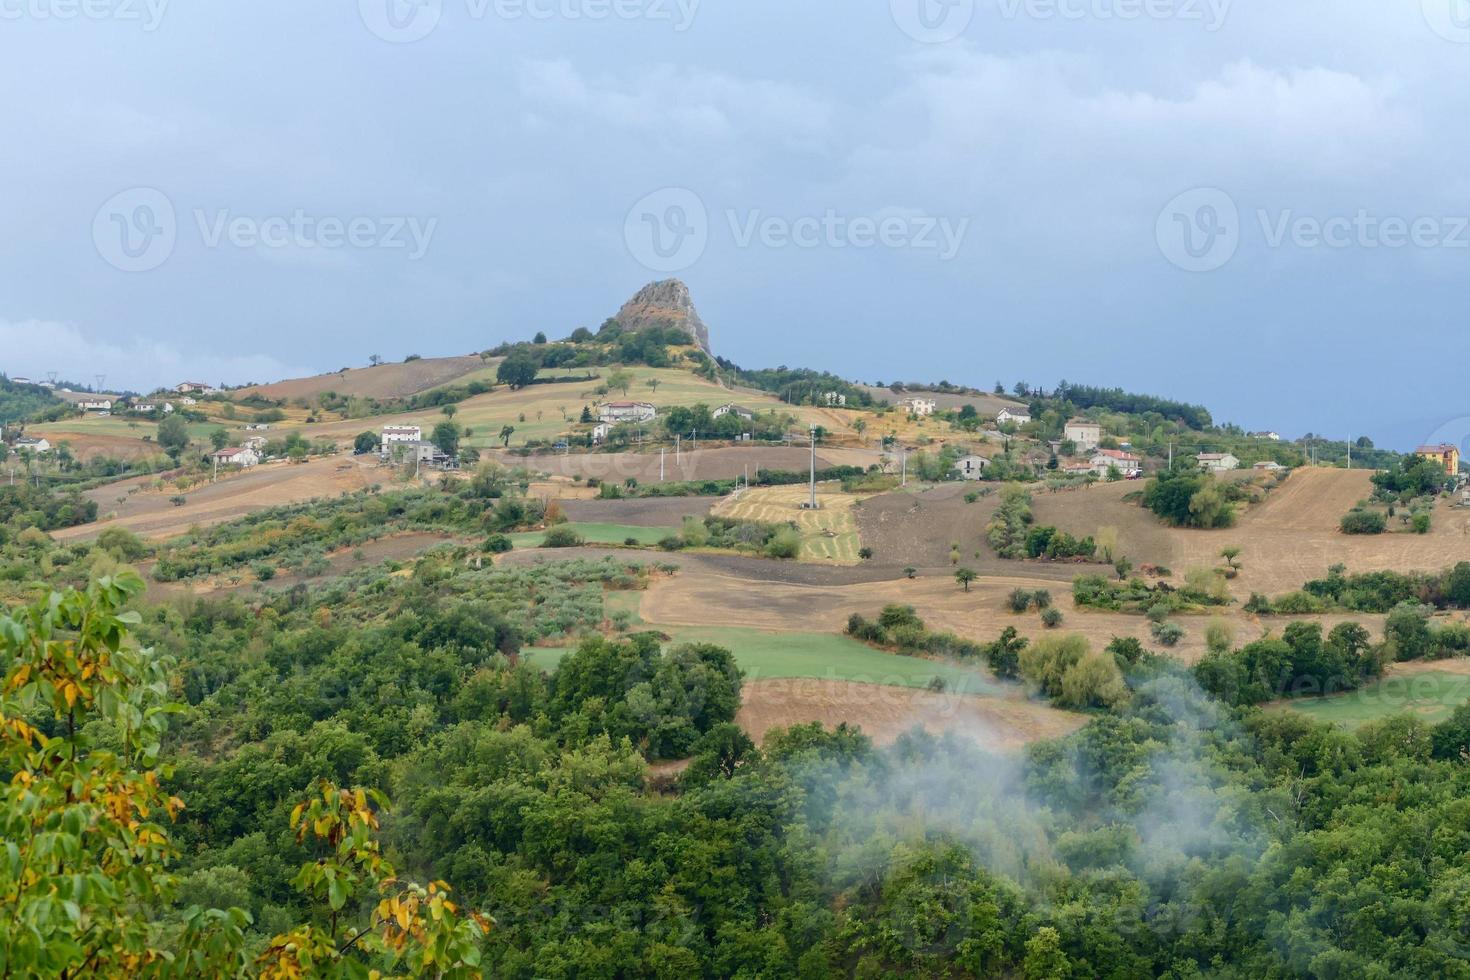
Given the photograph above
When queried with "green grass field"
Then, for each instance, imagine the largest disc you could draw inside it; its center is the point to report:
(599, 534)
(824, 656)
(1431, 695)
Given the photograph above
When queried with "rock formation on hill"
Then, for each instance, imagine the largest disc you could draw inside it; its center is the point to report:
(664, 304)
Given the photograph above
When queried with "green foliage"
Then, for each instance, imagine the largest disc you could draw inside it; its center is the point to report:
(1187, 498)
(1361, 521)
(1008, 529)
(519, 369)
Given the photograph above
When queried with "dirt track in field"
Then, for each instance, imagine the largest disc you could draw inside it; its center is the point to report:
(885, 713)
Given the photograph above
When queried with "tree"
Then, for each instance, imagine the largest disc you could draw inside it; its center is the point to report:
(518, 370)
(219, 439)
(965, 576)
(375, 359)
(450, 411)
(620, 379)
(653, 384)
(173, 436)
(365, 442)
(1122, 565)
(540, 337)
(1045, 959)
(446, 437)
(1230, 555)
(505, 433)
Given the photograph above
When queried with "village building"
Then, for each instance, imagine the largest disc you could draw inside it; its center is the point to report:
(919, 407)
(616, 412)
(834, 399)
(1218, 462)
(972, 466)
(736, 410)
(1015, 416)
(1083, 434)
(393, 434)
(1268, 466)
(236, 456)
(1127, 464)
(1273, 436)
(36, 446)
(193, 388)
(1445, 454)
(95, 404)
(600, 431)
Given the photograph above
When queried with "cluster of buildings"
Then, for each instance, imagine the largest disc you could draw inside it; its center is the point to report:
(408, 441)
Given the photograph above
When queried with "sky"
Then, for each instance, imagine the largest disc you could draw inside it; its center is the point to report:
(1263, 208)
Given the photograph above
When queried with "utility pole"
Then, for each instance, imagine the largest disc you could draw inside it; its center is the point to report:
(903, 455)
(814, 468)
(661, 452)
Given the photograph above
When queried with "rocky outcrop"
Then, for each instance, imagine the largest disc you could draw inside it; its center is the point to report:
(664, 304)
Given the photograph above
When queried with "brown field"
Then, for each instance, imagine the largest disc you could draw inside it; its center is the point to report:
(884, 713)
(383, 382)
(725, 463)
(703, 596)
(639, 511)
(132, 504)
(89, 444)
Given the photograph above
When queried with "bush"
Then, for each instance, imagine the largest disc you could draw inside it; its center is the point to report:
(562, 536)
(1363, 522)
(1041, 599)
(497, 544)
(1420, 523)
(785, 543)
(1298, 604)
(1168, 634)
(1020, 600)
(1051, 617)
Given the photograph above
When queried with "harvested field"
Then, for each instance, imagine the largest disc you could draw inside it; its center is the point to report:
(147, 512)
(639, 511)
(386, 381)
(884, 713)
(829, 534)
(725, 463)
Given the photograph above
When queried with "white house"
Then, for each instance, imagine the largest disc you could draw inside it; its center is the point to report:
(736, 410)
(1083, 434)
(256, 426)
(168, 408)
(1126, 463)
(145, 407)
(1273, 436)
(600, 431)
(400, 433)
(972, 466)
(919, 407)
(256, 443)
(36, 446)
(193, 388)
(95, 404)
(1218, 462)
(833, 399)
(628, 412)
(1016, 416)
(186, 400)
(236, 456)
(21, 381)
(1269, 466)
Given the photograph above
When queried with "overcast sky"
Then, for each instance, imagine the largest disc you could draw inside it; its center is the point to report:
(1262, 207)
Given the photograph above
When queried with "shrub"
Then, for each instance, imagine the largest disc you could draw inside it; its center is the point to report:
(562, 536)
(1020, 600)
(785, 543)
(1363, 522)
(1168, 634)
(1051, 617)
(1298, 604)
(1420, 523)
(497, 544)
(1041, 599)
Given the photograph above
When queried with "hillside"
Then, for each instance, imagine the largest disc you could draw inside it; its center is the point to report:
(384, 382)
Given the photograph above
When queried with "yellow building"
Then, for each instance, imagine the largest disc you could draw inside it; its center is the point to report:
(1445, 455)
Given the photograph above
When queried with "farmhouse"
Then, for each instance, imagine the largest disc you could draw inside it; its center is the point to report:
(95, 404)
(971, 467)
(236, 456)
(628, 412)
(1273, 436)
(1016, 416)
(256, 443)
(193, 388)
(1445, 454)
(1076, 468)
(400, 433)
(37, 446)
(919, 407)
(600, 431)
(736, 410)
(1268, 466)
(833, 399)
(1218, 462)
(1127, 464)
(1085, 435)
